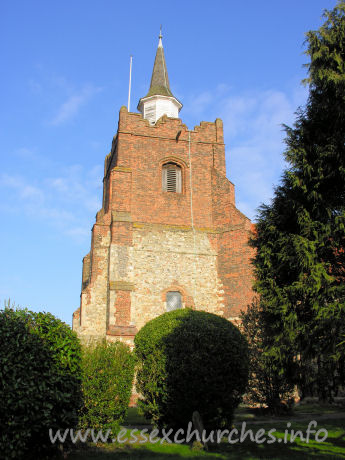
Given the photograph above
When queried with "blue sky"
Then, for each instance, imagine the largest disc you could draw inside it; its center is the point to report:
(64, 78)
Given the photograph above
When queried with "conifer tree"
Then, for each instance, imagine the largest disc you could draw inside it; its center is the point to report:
(300, 237)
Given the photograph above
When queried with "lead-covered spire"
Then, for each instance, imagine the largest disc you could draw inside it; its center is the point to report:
(160, 80)
(159, 100)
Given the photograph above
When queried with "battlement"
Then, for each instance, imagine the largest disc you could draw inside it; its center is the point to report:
(170, 128)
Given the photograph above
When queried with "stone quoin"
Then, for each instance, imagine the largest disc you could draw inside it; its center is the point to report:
(168, 234)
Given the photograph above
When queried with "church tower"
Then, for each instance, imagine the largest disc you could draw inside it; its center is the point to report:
(169, 234)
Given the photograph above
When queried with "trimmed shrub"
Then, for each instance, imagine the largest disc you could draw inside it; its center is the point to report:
(60, 339)
(108, 374)
(39, 382)
(190, 361)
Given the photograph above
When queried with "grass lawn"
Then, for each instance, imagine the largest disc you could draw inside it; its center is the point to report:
(332, 447)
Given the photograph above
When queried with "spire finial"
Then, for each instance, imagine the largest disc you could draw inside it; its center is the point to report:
(160, 44)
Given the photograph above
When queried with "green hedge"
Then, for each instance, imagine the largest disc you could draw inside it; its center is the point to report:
(39, 382)
(108, 374)
(190, 361)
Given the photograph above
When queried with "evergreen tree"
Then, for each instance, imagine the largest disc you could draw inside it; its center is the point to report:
(266, 386)
(300, 238)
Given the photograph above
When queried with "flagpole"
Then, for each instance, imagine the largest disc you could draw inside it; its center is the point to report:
(130, 83)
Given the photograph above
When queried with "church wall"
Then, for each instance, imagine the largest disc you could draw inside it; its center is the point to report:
(234, 253)
(91, 318)
(143, 149)
(167, 259)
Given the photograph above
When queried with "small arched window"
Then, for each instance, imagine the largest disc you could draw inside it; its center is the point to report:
(171, 178)
(173, 300)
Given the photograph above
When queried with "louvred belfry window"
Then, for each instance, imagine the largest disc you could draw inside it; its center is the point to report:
(171, 178)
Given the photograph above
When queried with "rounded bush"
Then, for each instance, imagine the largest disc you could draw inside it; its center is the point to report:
(190, 361)
(39, 382)
(108, 374)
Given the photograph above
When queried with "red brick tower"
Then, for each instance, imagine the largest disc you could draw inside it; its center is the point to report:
(169, 234)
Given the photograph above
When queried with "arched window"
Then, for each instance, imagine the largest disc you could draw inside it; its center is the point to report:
(171, 178)
(173, 300)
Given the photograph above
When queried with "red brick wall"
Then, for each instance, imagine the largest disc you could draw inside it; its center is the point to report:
(143, 149)
(234, 254)
(122, 307)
